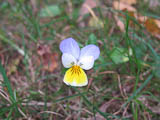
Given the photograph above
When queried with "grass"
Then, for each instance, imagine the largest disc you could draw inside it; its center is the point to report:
(121, 90)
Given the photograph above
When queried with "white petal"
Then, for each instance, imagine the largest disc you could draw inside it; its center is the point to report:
(68, 60)
(86, 62)
(90, 50)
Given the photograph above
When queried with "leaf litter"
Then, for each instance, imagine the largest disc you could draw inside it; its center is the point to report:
(48, 61)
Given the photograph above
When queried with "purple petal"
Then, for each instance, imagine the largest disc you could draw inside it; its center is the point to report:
(90, 50)
(70, 46)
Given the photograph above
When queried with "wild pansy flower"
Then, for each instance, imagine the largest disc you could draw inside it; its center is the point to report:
(77, 59)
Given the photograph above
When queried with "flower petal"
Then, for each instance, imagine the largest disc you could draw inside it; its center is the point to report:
(70, 46)
(68, 60)
(86, 62)
(75, 76)
(90, 50)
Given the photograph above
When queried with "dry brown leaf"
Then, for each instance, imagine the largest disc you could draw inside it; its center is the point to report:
(84, 10)
(157, 22)
(122, 6)
(48, 59)
(153, 26)
(141, 18)
(120, 24)
(155, 109)
(34, 6)
(87, 6)
(129, 2)
(13, 66)
(42, 49)
(132, 15)
(2, 57)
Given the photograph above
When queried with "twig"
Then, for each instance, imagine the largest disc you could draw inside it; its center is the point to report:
(119, 82)
(51, 112)
(91, 11)
(33, 103)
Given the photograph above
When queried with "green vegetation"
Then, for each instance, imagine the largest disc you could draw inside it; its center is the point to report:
(123, 85)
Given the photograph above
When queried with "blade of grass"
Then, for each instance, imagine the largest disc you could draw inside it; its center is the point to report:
(135, 111)
(156, 98)
(138, 90)
(135, 59)
(8, 85)
(12, 44)
(69, 97)
(6, 81)
(89, 104)
(31, 19)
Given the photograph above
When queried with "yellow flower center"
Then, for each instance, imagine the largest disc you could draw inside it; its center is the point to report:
(75, 76)
(76, 70)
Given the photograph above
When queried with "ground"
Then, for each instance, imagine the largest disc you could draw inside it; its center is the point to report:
(124, 82)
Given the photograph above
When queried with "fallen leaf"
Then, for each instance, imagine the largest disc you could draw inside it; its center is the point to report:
(141, 18)
(157, 22)
(50, 11)
(42, 49)
(92, 39)
(48, 59)
(119, 55)
(120, 24)
(13, 66)
(84, 10)
(1, 81)
(153, 26)
(34, 6)
(122, 6)
(125, 8)
(2, 55)
(155, 109)
(96, 22)
(129, 2)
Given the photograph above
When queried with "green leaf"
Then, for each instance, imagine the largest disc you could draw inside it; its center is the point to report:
(119, 55)
(156, 68)
(4, 5)
(92, 39)
(50, 11)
